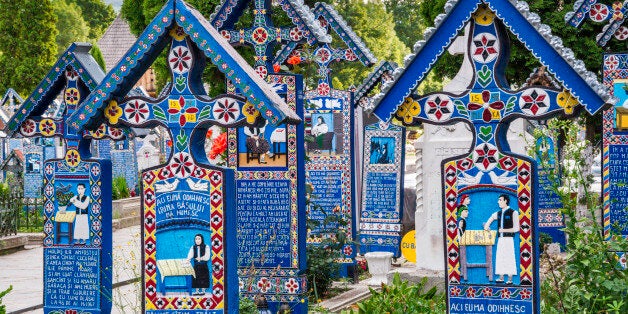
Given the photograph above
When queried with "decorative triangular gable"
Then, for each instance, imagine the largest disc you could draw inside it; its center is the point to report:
(381, 74)
(43, 97)
(525, 25)
(9, 103)
(149, 45)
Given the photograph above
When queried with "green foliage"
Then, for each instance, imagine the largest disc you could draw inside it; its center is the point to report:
(97, 54)
(322, 265)
(3, 309)
(402, 297)
(590, 279)
(376, 27)
(120, 189)
(409, 24)
(247, 306)
(27, 43)
(97, 14)
(70, 24)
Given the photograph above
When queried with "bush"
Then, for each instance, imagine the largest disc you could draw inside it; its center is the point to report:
(590, 279)
(119, 188)
(3, 309)
(402, 297)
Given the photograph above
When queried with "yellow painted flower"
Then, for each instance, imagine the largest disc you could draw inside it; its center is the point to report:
(178, 33)
(47, 127)
(113, 112)
(72, 96)
(567, 101)
(72, 158)
(484, 16)
(408, 110)
(250, 112)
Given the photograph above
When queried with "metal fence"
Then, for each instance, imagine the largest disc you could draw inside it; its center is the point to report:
(19, 214)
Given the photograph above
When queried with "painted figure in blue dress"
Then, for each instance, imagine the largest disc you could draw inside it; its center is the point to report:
(507, 228)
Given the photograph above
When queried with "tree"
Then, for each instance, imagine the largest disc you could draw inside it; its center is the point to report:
(375, 27)
(27, 43)
(70, 24)
(409, 24)
(97, 54)
(97, 14)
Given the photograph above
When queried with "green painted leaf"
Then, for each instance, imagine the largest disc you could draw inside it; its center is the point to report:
(180, 83)
(204, 113)
(159, 113)
(461, 108)
(510, 105)
(182, 140)
(486, 133)
(485, 76)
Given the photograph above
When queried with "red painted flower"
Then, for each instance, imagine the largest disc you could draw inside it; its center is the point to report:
(276, 68)
(485, 155)
(264, 285)
(323, 54)
(454, 291)
(505, 293)
(259, 35)
(226, 110)
(28, 127)
(292, 286)
(486, 98)
(525, 294)
(470, 292)
(182, 165)
(323, 89)
(487, 292)
(136, 111)
(485, 50)
(180, 59)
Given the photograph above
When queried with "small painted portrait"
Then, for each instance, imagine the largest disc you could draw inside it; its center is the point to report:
(382, 150)
(321, 128)
(262, 145)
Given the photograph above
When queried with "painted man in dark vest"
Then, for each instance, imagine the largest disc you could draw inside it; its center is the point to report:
(507, 228)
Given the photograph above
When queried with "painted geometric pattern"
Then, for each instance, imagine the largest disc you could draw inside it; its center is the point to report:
(279, 285)
(615, 66)
(78, 169)
(213, 301)
(484, 292)
(550, 218)
(524, 197)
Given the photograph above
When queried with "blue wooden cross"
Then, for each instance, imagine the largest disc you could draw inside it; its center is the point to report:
(263, 35)
(324, 54)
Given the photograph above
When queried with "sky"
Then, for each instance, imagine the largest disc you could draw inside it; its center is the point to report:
(116, 4)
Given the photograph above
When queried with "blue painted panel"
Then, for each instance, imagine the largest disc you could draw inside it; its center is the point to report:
(77, 243)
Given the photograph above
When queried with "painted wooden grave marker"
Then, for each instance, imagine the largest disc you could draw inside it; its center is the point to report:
(615, 151)
(77, 189)
(329, 120)
(488, 200)
(382, 195)
(263, 35)
(271, 202)
(549, 219)
(189, 231)
(33, 170)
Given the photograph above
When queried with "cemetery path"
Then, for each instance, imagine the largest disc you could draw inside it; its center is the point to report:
(24, 270)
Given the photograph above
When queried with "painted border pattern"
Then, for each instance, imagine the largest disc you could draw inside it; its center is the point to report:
(215, 300)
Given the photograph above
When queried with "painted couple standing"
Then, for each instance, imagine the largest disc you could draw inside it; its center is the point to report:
(507, 228)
